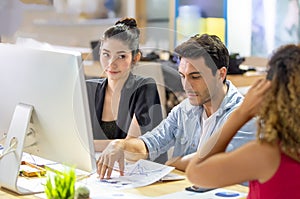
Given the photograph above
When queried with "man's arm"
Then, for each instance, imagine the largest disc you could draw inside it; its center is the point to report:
(133, 149)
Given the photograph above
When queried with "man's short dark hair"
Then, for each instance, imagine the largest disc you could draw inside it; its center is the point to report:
(202, 46)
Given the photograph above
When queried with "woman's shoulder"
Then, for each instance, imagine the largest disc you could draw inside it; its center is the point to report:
(264, 148)
(266, 157)
(95, 84)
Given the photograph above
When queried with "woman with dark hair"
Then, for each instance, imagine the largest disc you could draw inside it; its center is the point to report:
(125, 105)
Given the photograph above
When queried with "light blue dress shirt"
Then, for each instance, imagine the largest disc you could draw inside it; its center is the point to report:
(182, 128)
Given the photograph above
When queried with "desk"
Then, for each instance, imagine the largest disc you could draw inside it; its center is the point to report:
(246, 79)
(156, 189)
(6, 194)
(162, 188)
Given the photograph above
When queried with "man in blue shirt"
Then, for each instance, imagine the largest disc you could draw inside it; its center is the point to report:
(210, 100)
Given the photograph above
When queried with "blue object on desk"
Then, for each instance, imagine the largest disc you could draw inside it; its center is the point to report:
(1, 147)
(227, 194)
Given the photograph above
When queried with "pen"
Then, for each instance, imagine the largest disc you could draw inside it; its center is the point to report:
(85, 176)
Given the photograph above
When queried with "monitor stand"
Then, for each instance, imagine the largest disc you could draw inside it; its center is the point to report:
(13, 149)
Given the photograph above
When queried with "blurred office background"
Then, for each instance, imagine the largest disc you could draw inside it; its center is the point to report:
(248, 27)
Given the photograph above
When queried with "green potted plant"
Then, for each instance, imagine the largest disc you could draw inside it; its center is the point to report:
(60, 185)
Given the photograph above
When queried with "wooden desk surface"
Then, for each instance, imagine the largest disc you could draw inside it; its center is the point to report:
(156, 189)
(162, 188)
(246, 79)
(6, 194)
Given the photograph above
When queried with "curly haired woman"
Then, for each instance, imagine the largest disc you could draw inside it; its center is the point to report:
(271, 164)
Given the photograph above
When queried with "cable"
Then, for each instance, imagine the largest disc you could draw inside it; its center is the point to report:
(3, 138)
(10, 149)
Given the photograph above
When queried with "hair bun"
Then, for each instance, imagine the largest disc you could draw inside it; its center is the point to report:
(130, 22)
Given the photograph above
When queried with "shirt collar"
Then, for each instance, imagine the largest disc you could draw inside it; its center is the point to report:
(231, 99)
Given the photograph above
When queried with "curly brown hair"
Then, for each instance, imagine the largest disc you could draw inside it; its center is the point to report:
(279, 118)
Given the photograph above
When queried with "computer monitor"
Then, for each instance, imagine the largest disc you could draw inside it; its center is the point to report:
(44, 109)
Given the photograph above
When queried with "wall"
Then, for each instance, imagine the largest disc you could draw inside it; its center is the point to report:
(239, 14)
(44, 24)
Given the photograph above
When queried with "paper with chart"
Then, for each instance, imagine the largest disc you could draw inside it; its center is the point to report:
(142, 173)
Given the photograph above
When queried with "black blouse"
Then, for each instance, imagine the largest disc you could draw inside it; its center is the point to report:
(139, 96)
(109, 128)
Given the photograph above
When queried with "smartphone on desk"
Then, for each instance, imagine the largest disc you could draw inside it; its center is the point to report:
(198, 189)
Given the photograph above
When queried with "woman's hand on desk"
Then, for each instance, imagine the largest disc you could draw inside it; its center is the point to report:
(114, 152)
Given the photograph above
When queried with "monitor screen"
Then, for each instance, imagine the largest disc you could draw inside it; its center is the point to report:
(52, 82)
